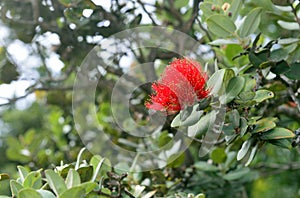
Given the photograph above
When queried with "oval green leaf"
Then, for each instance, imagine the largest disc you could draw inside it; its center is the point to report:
(283, 143)
(277, 133)
(73, 178)
(55, 182)
(264, 125)
(234, 87)
(215, 82)
(77, 192)
(262, 95)
(244, 149)
(33, 180)
(251, 22)
(252, 154)
(15, 187)
(218, 155)
(203, 166)
(29, 193)
(46, 194)
(294, 72)
(221, 25)
(176, 121)
(243, 126)
(236, 174)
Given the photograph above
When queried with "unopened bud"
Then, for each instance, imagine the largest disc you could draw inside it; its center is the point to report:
(225, 6)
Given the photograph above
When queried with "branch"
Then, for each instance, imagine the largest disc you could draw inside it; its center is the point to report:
(205, 30)
(291, 91)
(13, 100)
(146, 11)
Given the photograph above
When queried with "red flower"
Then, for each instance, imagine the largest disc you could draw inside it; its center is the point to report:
(182, 84)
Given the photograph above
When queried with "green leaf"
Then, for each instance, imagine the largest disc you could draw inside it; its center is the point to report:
(229, 74)
(86, 173)
(176, 121)
(46, 194)
(243, 126)
(283, 143)
(175, 160)
(203, 166)
(250, 84)
(202, 125)
(230, 138)
(245, 96)
(8, 72)
(258, 58)
(73, 178)
(77, 192)
(55, 182)
(262, 95)
(223, 42)
(287, 41)
(15, 187)
(264, 125)
(251, 22)
(235, 8)
(234, 118)
(4, 176)
(33, 180)
(234, 87)
(193, 117)
(64, 169)
(236, 174)
(280, 67)
(215, 82)
(29, 193)
(277, 133)
(232, 51)
(244, 149)
(100, 167)
(252, 154)
(22, 173)
(163, 139)
(180, 3)
(288, 25)
(294, 72)
(205, 7)
(279, 54)
(88, 186)
(218, 155)
(221, 25)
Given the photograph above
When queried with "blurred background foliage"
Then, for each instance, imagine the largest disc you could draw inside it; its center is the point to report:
(253, 45)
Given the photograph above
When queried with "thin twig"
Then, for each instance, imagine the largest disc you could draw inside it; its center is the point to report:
(205, 30)
(13, 100)
(291, 91)
(146, 11)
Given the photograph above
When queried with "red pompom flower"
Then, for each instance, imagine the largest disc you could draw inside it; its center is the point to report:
(182, 84)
